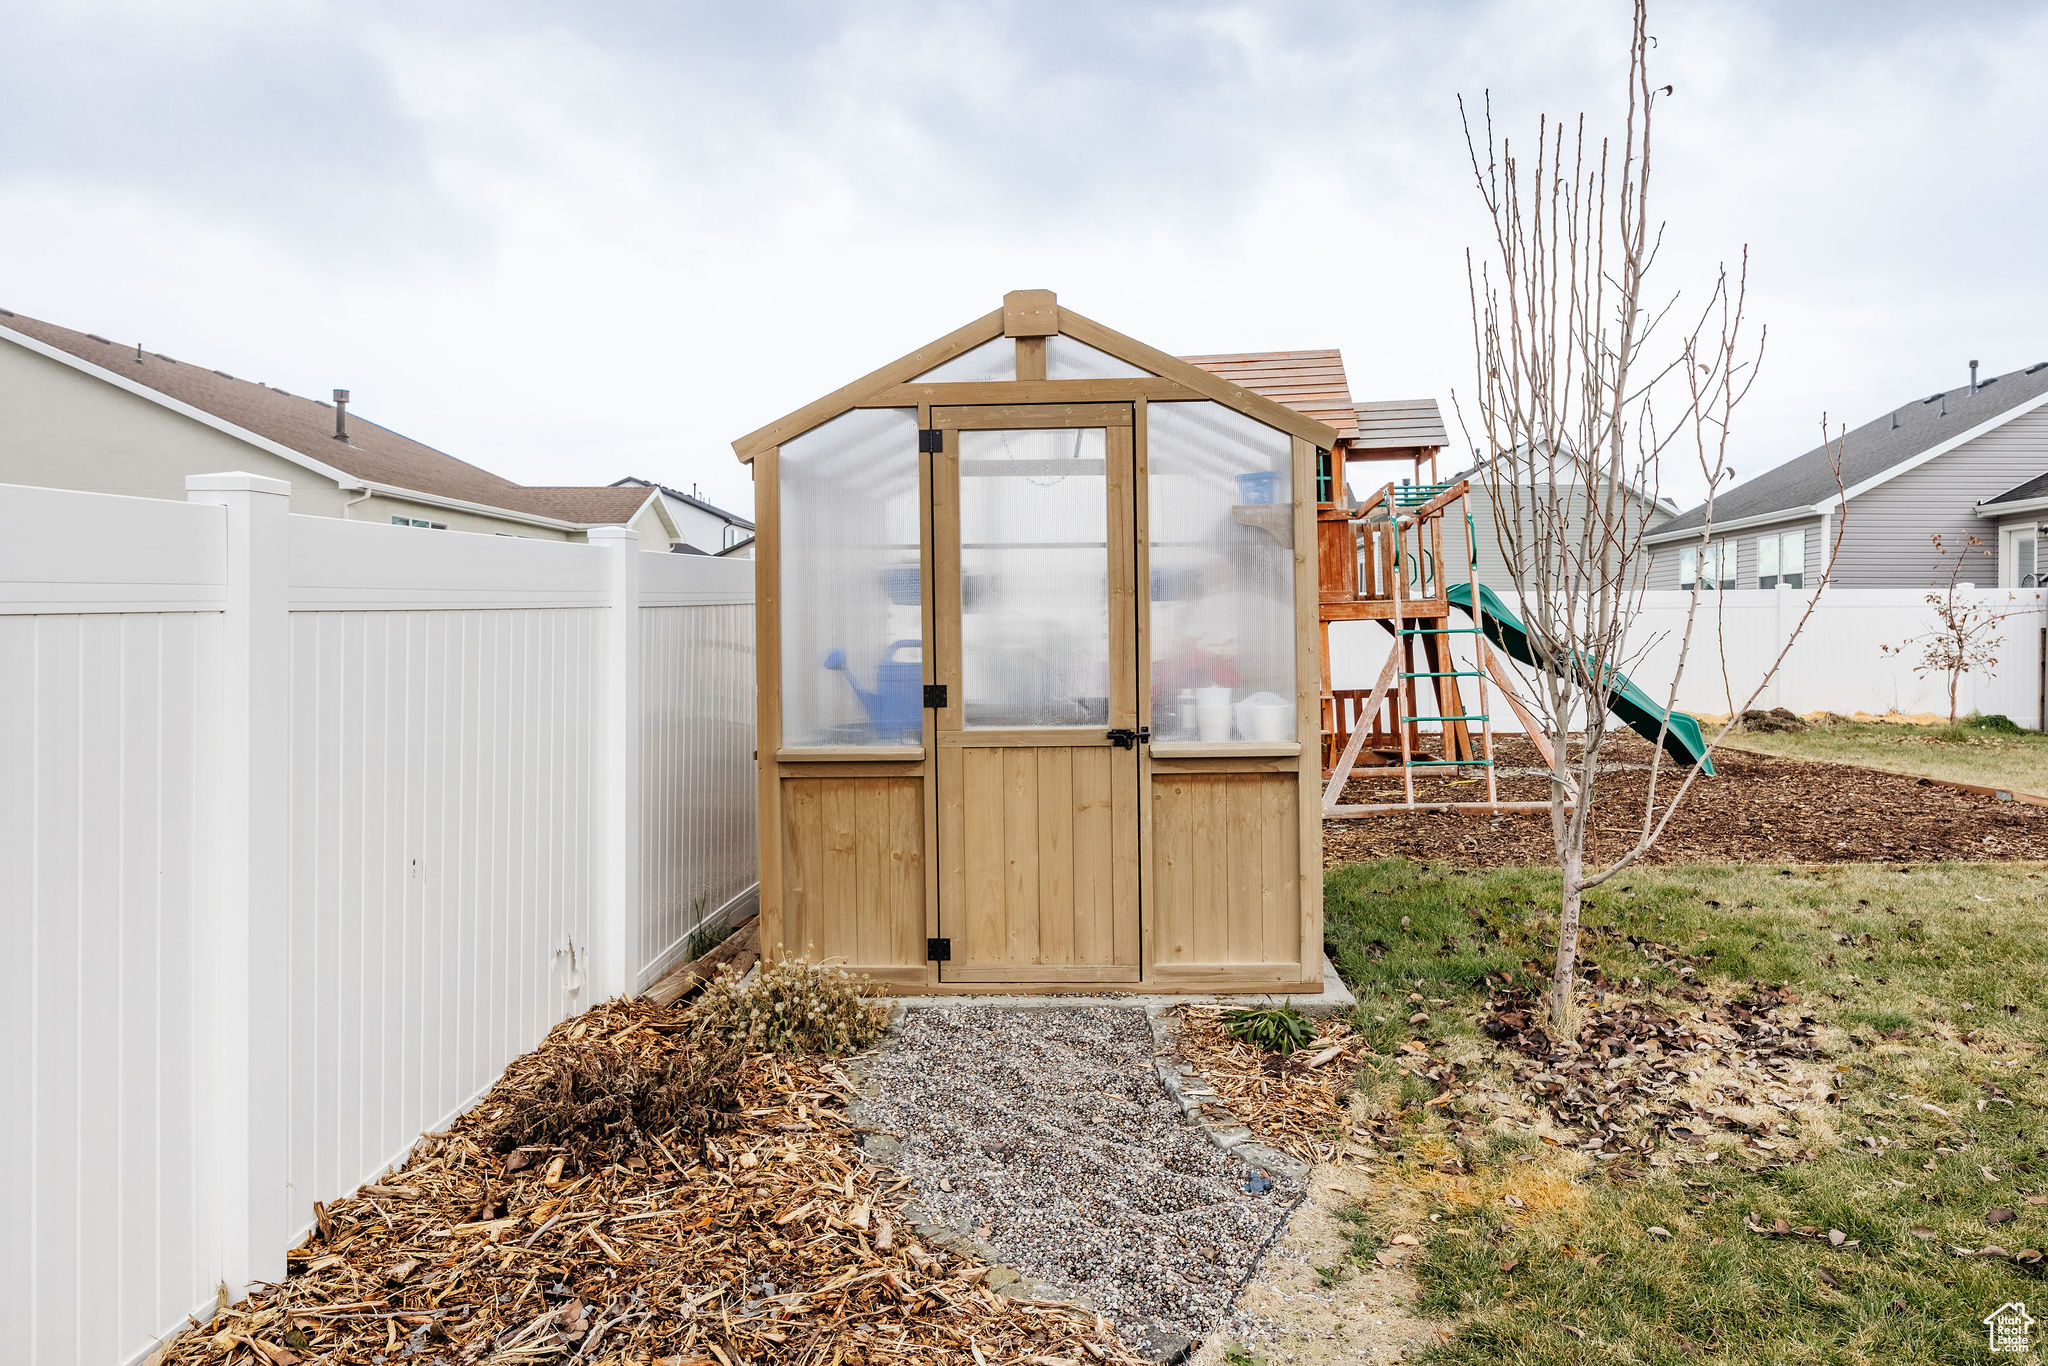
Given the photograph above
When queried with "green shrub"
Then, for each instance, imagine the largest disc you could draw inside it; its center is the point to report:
(1996, 724)
(1277, 1029)
(791, 1006)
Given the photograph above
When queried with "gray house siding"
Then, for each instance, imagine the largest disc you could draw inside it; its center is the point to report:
(1886, 532)
(1664, 558)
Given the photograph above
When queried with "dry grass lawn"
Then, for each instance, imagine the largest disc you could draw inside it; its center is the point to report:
(1972, 752)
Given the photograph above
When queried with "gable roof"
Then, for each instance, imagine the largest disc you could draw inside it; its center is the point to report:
(729, 518)
(1025, 313)
(1399, 423)
(1310, 382)
(1874, 452)
(371, 455)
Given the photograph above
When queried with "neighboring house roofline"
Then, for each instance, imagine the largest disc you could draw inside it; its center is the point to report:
(341, 478)
(492, 510)
(1854, 462)
(729, 518)
(1692, 533)
(736, 546)
(2020, 409)
(1995, 510)
(1828, 507)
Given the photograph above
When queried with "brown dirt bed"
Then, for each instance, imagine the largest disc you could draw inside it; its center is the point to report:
(1758, 809)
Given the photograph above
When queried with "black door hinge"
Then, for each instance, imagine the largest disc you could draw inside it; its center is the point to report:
(935, 694)
(1125, 739)
(930, 440)
(938, 950)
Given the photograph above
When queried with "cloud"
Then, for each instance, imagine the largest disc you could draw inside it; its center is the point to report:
(571, 243)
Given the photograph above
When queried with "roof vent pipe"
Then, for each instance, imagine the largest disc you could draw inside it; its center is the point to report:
(341, 414)
(1944, 405)
(1973, 377)
(1895, 421)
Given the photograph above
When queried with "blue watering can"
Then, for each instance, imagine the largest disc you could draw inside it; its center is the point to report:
(897, 703)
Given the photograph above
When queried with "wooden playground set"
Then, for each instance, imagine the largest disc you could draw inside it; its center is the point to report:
(1383, 559)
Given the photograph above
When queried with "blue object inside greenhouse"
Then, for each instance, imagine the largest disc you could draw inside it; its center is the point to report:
(896, 703)
(1258, 488)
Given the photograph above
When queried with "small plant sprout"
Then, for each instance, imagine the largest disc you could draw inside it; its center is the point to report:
(1276, 1029)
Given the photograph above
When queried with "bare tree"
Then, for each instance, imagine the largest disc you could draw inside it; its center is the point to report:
(1962, 640)
(1584, 387)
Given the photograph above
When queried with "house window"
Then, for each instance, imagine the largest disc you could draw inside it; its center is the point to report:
(2022, 552)
(1781, 559)
(1710, 566)
(415, 521)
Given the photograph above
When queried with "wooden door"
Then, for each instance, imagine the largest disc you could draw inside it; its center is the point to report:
(1035, 632)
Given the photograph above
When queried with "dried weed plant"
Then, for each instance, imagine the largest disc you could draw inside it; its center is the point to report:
(601, 1102)
(792, 1005)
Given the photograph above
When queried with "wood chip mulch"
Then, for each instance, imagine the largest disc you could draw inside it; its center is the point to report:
(1759, 809)
(1292, 1103)
(765, 1240)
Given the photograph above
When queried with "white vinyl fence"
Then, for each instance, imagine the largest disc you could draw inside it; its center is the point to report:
(307, 828)
(1838, 663)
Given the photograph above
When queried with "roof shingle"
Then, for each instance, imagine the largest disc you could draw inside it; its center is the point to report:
(372, 453)
(1871, 449)
(1310, 382)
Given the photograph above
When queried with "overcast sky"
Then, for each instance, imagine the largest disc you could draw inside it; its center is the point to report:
(572, 242)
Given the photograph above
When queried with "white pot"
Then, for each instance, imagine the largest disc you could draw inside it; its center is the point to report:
(1212, 724)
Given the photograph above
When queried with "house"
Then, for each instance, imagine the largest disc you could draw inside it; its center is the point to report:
(1642, 508)
(1965, 462)
(701, 528)
(80, 411)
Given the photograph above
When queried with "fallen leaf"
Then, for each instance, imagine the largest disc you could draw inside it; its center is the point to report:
(1511, 1265)
(1837, 1237)
(1575, 1332)
(1513, 1201)
(1404, 1240)
(2027, 1256)
(1998, 1216)
(1827, 1279)
(1921, 1231)
(1658, 1230)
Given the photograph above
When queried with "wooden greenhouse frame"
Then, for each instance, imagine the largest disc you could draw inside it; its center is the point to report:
(943, 853)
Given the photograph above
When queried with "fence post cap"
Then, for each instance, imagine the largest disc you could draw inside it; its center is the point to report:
(236, 481)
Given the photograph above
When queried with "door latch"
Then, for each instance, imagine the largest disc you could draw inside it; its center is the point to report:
(1125, 739)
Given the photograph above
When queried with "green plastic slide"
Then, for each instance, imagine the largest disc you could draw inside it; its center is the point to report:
(1682, 738)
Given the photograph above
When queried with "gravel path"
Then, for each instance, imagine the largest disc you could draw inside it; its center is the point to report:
(1066, 1156)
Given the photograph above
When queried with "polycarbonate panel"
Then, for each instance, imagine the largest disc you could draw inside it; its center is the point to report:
(1066, 358)
(1034, 582)
(852, 622)
(1221, 494)
(992, 360)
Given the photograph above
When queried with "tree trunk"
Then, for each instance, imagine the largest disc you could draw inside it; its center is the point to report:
(1563, 1024)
